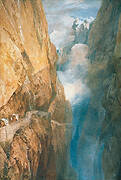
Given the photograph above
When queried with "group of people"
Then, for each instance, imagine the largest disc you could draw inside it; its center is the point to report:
(11, 119)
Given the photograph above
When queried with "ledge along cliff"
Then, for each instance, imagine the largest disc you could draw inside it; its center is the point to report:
(105, 83)
(35, 118)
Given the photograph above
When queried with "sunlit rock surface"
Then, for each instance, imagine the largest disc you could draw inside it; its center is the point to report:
(34, 144)
(81, 30)
(27, 58)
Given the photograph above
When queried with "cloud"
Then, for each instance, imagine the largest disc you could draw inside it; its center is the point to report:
(73, 78)
(74, 91)
(62, 31)
(78, 54)
(66, 5)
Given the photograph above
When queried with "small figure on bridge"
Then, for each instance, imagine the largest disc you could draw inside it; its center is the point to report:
(3, 122)
(14, 118)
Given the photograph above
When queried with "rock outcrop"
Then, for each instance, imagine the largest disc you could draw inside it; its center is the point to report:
(105, 80)
(81, 30)
(35, 143)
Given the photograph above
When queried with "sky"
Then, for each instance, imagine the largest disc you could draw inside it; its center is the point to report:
(74, 8)
(60, 15)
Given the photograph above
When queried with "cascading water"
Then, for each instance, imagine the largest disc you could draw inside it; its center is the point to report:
(72, 69)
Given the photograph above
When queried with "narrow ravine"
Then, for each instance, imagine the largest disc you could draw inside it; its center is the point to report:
(60, 90)
(85, 149)
(69, 32)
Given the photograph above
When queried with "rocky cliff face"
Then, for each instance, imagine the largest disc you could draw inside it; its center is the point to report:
(105, 56)
(27, 58)
(34, 145)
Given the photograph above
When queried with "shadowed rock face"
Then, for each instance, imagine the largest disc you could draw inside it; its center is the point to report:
(37, 147)
(105, 56)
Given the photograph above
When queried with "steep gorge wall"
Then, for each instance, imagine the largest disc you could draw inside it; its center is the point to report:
(37, 147)
(105, 80)
(27, 58)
